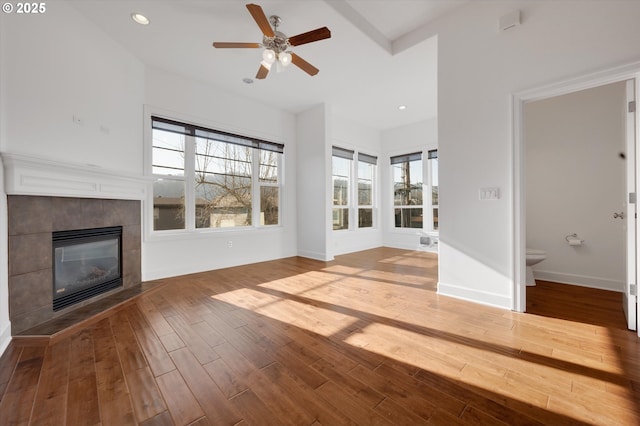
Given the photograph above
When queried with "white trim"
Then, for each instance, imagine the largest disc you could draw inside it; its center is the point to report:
(631, 173)
(5, 338)
(27, 175)
(315, 255)
(580, 280)
(482, 297)
(587, 81)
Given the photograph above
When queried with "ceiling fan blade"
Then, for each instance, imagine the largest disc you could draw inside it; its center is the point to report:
(261, 19)
(303, 65)
(310, 36)
(231, 45)
(262, 72)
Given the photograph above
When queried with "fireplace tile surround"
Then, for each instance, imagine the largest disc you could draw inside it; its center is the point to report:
(31, 221)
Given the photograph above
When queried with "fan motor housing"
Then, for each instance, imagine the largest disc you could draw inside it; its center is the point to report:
(279, 43)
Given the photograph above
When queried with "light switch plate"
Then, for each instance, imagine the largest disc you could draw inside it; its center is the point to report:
(490, 193)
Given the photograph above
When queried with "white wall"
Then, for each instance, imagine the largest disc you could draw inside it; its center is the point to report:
(350, 135)
(53, 67)
(575, 180)
(57, 65)
(182, 99)
(313, 130)
(421, 136)
(479, 71)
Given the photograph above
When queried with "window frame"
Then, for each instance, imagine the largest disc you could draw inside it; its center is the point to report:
(353, 206)
(344, 154)
(427, 188)
(372, 160)
(189, 177)
(432, 155)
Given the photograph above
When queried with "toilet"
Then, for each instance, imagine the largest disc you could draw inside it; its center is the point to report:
(534, 257)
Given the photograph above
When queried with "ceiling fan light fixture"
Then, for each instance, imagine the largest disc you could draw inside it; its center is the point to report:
(284, 58)
(269, 56)
(276, 44)
(140, 18)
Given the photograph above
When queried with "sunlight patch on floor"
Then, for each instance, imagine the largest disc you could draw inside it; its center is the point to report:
(425, 260)
(483, 369)
(308, 317)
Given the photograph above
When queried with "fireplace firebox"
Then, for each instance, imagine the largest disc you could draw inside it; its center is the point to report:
(86, 263)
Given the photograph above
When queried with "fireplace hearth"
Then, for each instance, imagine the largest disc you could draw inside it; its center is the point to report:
(86, 262)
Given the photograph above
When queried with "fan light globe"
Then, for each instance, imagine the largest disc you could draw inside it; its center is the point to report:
(284, 58)
(269, 56)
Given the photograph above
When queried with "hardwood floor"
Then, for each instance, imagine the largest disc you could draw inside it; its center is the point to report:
(362, 340)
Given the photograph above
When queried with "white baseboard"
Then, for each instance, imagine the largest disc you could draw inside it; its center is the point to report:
(581, 280)
(5, 338)
(476, 296)
(315, 255)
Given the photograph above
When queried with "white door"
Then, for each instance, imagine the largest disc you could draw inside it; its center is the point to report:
(630, 298)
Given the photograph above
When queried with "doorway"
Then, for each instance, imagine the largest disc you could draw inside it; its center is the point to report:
(570, 162)
(575, 159)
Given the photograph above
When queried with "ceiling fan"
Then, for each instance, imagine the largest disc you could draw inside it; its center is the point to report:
(277, 44)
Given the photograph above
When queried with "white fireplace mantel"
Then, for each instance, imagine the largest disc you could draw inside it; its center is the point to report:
(27, 175)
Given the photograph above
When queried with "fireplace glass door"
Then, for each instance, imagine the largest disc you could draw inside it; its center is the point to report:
(86, 263)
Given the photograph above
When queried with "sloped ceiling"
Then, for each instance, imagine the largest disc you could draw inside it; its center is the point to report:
(366, 71)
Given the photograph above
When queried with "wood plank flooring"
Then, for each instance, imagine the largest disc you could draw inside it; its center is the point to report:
(362, 340)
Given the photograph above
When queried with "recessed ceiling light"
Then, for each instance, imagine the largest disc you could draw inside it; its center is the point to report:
(140, 18)
(402, 107)
(248, 80)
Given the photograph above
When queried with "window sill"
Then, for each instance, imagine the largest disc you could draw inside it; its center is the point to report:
(181, 235)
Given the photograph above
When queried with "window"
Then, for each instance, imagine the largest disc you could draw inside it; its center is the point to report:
(366, 175)
(341, 176)
(407, 190)
(353, 189)
(409, 171)
(211, 179)
(168, 144)
(269, 187)
(433, 176)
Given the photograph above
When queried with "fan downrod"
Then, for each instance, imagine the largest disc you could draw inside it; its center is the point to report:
(275, 21)
(279, 42)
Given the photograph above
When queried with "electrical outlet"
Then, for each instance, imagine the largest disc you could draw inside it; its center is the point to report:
(230, 244)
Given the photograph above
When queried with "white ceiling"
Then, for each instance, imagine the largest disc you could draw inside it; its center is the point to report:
(359, 76)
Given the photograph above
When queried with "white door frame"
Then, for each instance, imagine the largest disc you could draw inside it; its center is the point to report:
(588, 81)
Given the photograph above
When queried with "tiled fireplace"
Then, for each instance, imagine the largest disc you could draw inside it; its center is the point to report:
(45, 199)
(32, 222)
